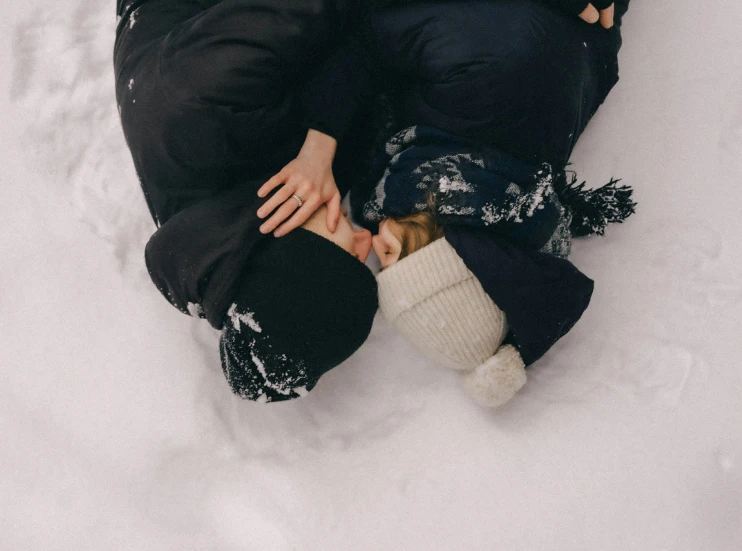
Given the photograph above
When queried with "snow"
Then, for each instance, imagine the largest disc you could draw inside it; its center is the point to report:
(195, 310)
(248, 318)
(280, 388)
(120, 431)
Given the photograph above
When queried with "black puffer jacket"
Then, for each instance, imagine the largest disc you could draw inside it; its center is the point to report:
(514, 74)
(211, 91)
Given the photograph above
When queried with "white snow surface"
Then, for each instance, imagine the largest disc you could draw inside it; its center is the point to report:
(120, 432)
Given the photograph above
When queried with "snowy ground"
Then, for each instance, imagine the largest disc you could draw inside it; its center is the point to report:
(120, 432)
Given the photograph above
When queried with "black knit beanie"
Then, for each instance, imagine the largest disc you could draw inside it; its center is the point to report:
(303, 305)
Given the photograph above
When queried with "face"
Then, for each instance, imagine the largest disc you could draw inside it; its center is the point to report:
(387, 244)
(356, 242)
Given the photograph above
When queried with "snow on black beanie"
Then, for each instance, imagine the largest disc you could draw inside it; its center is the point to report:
(303, 305)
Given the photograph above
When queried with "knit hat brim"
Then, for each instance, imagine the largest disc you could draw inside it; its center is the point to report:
(418, 276)
(438, 305)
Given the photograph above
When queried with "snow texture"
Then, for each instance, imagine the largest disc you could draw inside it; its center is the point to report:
(248, 318)
(120, 431)
(195, 310)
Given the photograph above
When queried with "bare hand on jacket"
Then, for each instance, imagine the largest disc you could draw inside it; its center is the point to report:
(308, 183)
(605, 15)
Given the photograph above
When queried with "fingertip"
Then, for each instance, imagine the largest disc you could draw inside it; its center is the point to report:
(332, 222)
(607, 16)
(283, 230)
(590, 14)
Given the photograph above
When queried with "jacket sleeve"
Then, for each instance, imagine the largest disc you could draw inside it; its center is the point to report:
(573, 7)
(344, 83)
(542, 296)
(576, 7)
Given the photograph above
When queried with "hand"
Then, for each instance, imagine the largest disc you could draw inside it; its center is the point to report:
(310, 177)
(591, 15)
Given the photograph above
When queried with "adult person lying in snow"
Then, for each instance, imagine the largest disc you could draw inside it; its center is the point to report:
(212, 102)
(477, 214)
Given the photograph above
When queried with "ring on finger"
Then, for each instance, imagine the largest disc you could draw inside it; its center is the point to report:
(298, 199)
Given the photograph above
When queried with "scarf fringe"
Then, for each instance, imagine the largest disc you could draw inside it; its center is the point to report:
(593, 209)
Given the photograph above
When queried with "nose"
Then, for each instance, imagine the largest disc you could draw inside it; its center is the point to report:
(362, 244)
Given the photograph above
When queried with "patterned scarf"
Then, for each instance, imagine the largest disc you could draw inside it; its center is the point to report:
(471, 185)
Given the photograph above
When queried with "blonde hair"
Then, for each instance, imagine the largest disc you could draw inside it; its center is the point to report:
(415, 231)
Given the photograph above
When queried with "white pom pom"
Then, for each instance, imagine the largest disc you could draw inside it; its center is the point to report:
(498, 379)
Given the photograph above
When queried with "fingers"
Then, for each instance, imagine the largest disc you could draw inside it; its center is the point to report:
(271, 184)
(606, 16)
(286, 209)
(281, 196)
(333, 212)
(590, 14)
(299, 217)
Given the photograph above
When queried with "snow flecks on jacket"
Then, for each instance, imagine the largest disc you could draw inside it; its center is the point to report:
(195, 310)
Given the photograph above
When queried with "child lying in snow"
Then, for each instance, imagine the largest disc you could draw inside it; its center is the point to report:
(476, 212)
(477, 277)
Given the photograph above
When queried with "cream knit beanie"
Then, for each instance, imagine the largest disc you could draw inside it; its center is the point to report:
(440, 307)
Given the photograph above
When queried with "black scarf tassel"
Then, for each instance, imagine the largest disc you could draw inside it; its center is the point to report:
(593, 209)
